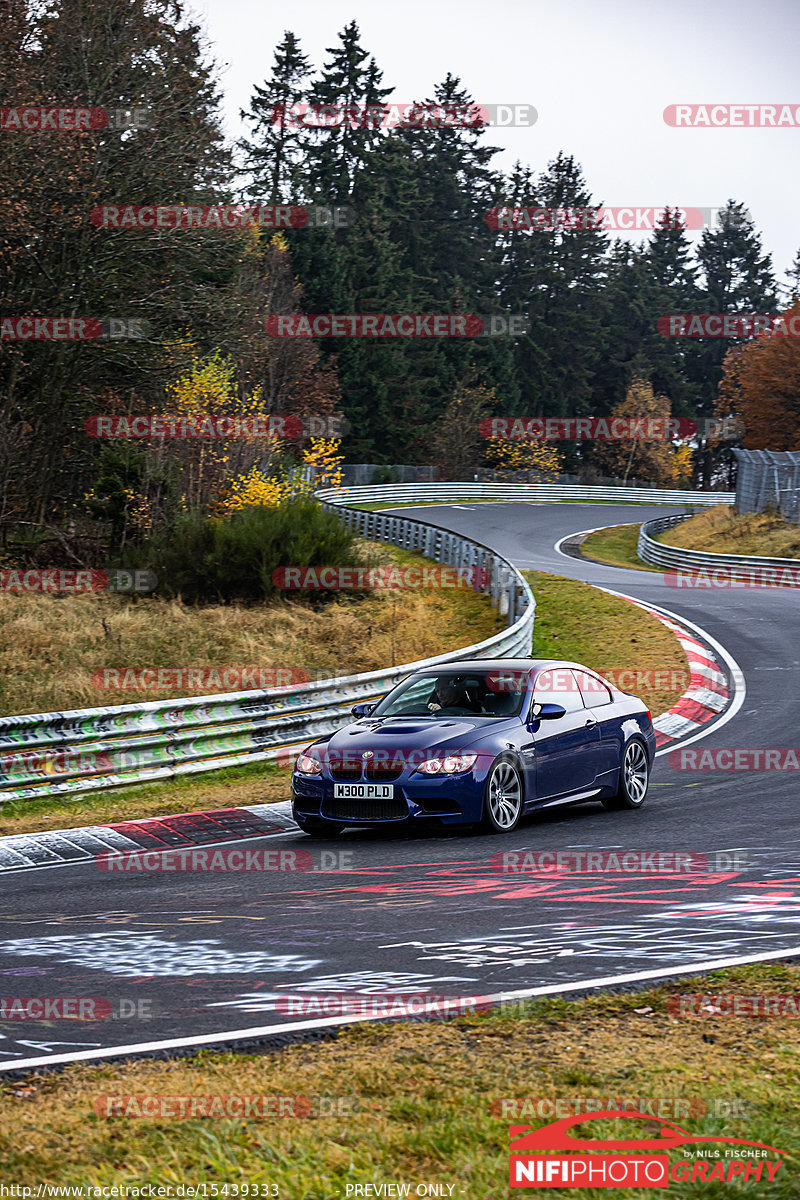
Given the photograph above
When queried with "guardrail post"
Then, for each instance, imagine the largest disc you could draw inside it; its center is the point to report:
(512, 604)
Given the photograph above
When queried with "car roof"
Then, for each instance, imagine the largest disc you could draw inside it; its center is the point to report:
(496, 664)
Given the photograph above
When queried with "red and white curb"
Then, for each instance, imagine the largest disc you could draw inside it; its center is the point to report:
(708, 693)
(716, 682)
(206, 830)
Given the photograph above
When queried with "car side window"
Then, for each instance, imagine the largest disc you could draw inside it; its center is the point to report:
(594, 692)
(558, 686)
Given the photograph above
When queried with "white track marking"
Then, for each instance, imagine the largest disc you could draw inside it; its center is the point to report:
(260, 1031)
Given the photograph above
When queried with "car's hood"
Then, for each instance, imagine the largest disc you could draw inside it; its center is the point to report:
(412, 733)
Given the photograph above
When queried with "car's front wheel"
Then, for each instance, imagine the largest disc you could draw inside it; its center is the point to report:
(503, 798)
(634, 779)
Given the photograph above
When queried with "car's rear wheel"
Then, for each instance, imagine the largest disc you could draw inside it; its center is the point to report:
(634, 779)
(319, 829)
(503, 798)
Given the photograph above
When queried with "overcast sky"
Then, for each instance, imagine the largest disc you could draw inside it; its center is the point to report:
(599, 73)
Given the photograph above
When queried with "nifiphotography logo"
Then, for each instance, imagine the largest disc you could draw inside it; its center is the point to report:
(638, 1161)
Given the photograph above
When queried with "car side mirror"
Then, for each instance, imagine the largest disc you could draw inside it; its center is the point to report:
(362, 710)
(545, 712)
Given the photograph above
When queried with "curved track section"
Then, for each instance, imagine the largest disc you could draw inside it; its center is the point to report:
(188, 957)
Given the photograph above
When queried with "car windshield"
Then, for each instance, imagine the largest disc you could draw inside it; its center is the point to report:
(490, 693)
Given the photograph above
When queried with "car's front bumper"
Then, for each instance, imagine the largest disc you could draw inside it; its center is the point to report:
(450, 800)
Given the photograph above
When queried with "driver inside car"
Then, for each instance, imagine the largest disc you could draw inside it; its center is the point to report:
(449, 699)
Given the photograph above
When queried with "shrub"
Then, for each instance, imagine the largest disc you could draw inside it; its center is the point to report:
(211, 560)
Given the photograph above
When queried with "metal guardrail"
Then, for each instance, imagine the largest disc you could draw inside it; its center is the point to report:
(537, 493)
(71, 753)
(676, 558)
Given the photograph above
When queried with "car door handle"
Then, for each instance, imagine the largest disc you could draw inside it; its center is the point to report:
(590, 721)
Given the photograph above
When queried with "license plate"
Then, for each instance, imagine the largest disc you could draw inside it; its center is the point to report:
(363, 791)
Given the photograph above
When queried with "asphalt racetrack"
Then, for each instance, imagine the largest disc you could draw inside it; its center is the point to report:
(194, 958)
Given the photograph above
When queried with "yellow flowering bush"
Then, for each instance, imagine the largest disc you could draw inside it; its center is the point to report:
(526, 456)
(326, 462)
(321, 467)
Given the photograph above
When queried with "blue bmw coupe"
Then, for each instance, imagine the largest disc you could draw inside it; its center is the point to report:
(478, 743)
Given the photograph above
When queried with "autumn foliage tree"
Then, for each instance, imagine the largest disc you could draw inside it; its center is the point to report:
(761, 387)
(540, 459)
(457, 446)
(648, 459)
(54, 262)
(321, 467)
(289, 374)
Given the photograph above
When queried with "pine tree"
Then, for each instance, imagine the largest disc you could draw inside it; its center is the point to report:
(793, 275)
(340, 144)
(737, 278)
(558, 276)
(274, 157)
(667, 285)
(444, 188)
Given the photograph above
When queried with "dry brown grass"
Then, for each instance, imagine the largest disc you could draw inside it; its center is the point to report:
(722, 531)
(51, 646)
(258, 783)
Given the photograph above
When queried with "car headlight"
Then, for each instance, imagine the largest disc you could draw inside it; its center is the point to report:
(306, 765)
(451, 764)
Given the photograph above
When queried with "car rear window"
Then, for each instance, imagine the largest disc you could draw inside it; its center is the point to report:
(594, 691)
